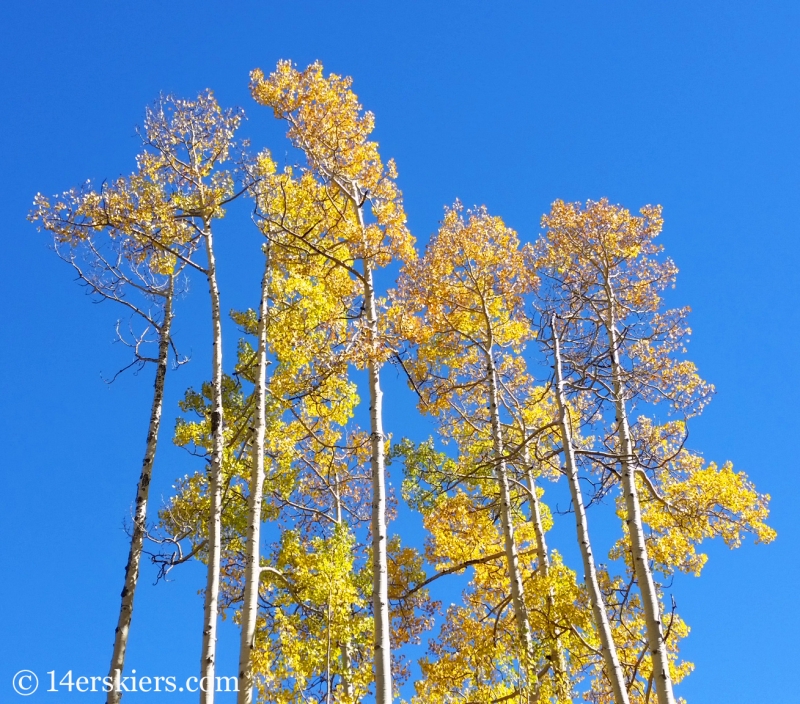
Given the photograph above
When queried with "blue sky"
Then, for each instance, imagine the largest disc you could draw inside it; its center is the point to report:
(509, 104)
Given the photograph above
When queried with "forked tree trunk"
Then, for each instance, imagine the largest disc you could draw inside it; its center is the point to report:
(142, 493)
(641, 564)
(510, 545)
(380, 568)
(608, 648)
(252, 572)
(558, 661)
(209, 652)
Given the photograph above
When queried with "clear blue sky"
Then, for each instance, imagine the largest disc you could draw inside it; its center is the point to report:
(691, 105)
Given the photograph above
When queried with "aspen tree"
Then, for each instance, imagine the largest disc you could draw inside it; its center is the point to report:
(557, 656)
(187, 143)
(303, 224)
(252, 575)
(316, 297)
(558, 660)
(596, 263)
(531, 452)
(307, 485)
(168, 207)
(104, 236)
(327, 123)
(311, 487)
(477, 652)
(602, 276)
(608, 648)
(467, 290)
(581, 279)
(538, 438)
(554, 421)
(686, 500)
(310, 300)
(626, 618)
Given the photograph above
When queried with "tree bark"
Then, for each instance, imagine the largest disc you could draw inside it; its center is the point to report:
(252, 572)
(142, 494)
(507, 522)
(208, 657)
(608, 648)
(641, 564)
(380, 568)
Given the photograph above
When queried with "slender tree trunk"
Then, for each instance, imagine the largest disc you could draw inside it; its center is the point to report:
(380, 568)
(345, 647)
(558, 661)
(142, 493)
(507, 521)
(328, 678)
(252, 571)
(347, 667)
(536, 518)
(208, 658)
(641, 564)
(608, 648)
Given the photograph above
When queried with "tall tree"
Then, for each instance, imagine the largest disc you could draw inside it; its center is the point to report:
(105, 236)
(608, 648)
(309, 486)
(467, 296)
(327, 123)
(252, 577)
(187, 142)
(534, 448)
(311, 299)
(601, 275)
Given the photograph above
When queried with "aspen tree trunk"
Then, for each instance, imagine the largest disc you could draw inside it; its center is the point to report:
(536, 518)
(608, 648)
(558, 660)
(142, 494)
(512, 556)
(380, 568)
(641, 564)
(328, 678)
(347, 666)
(208, 657)
(346, 647)
(380, 563)
(252, 573)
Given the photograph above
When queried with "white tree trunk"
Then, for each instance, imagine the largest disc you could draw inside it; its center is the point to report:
(558, 661)
(510, 545)
(347, 667)
(208, 657)
(142, 494)
(608, 648)
(346, 646)
(252, 571)
(536, 518)
(641, 564)
(380, 568)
